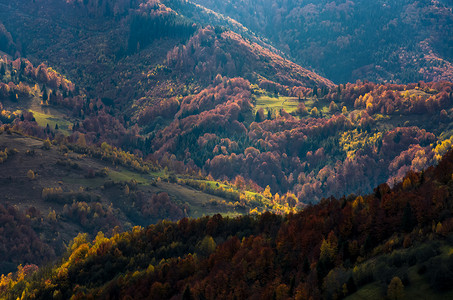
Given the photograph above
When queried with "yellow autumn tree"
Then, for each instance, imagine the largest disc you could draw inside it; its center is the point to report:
(81, 140)
(327, 250)
(267, 192)
(314, 112)
(395, 289)
(207, 245)
(407, 184)
(439, 228)
(344, 110)
(46, 145)
(31, 174)
(333, 107)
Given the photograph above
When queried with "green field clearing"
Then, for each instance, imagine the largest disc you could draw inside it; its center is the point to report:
(276, 103)
(289, 104)
(201, 204)
(43, 119)
(368, 292)
(213, 184)
(124, 175)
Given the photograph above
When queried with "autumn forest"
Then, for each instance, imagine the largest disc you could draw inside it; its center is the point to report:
(260, 149)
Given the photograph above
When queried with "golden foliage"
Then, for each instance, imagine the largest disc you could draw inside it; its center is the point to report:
(395, 289)
(46, 192)
(353, 140)
(407, 184)
(46, 145)
(31, 175)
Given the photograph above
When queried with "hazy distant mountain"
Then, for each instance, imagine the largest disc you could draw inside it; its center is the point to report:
(401, 41)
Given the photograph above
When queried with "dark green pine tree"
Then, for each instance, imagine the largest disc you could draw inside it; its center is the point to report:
(306, 266)
(23, 65)
(44, 94)
(187, 295)
(408, 218)
(258, 117)
(241, 118)
(292, 286)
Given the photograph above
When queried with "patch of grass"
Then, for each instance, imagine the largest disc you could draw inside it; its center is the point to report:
(84, 182)
(161, 173)
(213, 184)
(200, 203)
(276, 103)
(44, 119)
(368, 292)
(126, 175)
(290, 104)
(418, 286)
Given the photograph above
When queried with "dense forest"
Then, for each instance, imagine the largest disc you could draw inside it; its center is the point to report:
(349, 139)
(167, 149)
(53, 190)
(395, 41)
(393, 238)
(375, 137)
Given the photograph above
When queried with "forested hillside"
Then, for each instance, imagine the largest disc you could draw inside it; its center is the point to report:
(393, 242)
(400, 41)
(208, 99)
(166, 149)
(53, 191)
(107, 50)
(347, 141)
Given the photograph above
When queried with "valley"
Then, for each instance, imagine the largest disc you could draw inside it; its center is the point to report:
(167, 149)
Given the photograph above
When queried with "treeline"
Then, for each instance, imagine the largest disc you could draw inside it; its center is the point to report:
(23, 70)
(390, 99)
(144, 28)
(6, 40)
(213, 51)
(329, 251)
(18, 79)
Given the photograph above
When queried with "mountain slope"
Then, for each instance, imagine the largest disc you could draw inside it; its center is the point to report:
(110, 52)
(55, 191)
(163, 110)
(381, 132)
(219, 103)
(382, 41)
(346, 141)
(345, 247)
